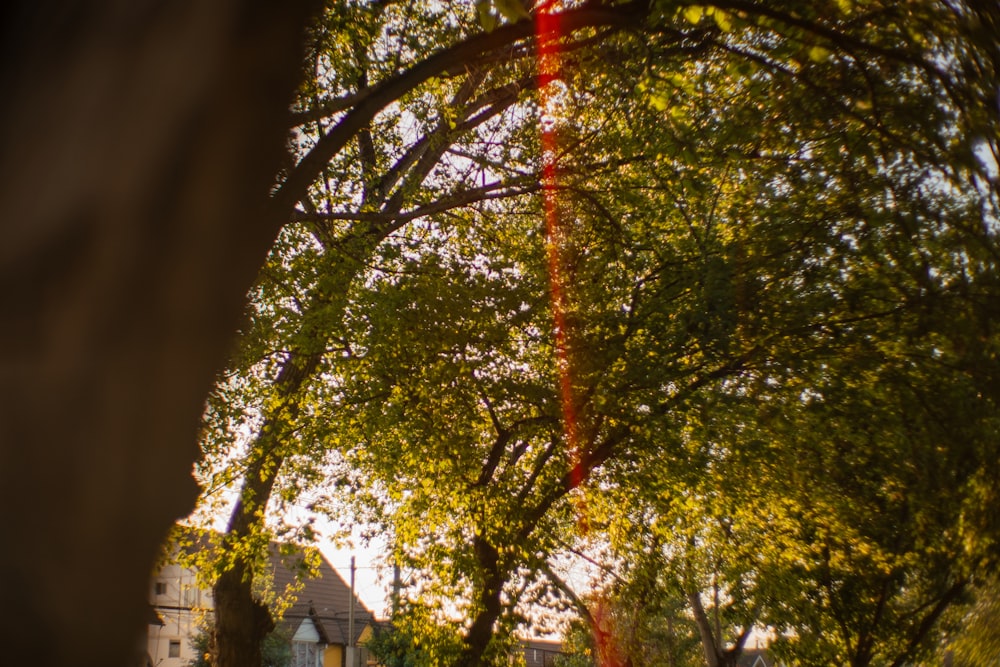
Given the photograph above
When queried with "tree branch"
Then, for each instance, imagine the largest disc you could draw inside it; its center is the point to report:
(491, 191)
(295, 186)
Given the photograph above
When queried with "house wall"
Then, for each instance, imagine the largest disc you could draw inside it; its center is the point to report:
(183, 607)
(306, 632)
(333, 656)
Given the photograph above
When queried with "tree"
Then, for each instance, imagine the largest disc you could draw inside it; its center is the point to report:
(690, 255)
(882, 511)
(139, 149)
(900, 297)
(401, 646)
(322, 303)
(972, 641)
(639, 619)
(863, 515)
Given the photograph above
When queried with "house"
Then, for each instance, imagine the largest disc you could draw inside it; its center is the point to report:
(541, 652)
(179, 606)
(318, 620)
(755, 657)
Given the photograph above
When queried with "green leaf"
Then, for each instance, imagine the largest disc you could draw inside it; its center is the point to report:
(487, 19)
(512, 10)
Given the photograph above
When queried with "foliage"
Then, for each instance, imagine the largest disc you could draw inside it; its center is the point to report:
(880, 504)
(407, 643)
(973, 639)
(718, 291)
(637, 622)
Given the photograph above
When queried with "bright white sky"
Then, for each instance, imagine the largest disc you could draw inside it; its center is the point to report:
(372, 578)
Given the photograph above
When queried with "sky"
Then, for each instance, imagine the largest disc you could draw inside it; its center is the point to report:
(372, 579)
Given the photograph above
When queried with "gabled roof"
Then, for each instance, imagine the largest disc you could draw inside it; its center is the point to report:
(755, 657)
(325, 599)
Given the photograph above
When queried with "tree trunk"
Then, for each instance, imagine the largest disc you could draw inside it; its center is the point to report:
(140, 142)
(241, 622)
(481, 631)
(709, 644)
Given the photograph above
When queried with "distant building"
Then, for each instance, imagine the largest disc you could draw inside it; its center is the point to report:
(180, 607)
(321, 617)
(318, 620)
(756, 657)
(541, 652)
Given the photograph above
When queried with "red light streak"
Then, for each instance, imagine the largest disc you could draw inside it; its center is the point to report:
(548, 32)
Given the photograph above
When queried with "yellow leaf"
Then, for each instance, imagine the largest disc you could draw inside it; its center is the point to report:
(819, 54)
(723, 20)
(693, 14)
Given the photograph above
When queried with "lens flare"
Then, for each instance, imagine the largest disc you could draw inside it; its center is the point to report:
(548, 33)
(548, 36)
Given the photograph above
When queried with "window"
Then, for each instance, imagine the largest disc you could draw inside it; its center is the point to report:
(191, 598)
(175, 649)
(305, 654)
(161, 588)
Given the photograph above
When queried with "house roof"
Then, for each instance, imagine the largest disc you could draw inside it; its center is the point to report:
(325, 599)
(755, 657)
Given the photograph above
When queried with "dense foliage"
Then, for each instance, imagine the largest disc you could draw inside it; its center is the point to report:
(708, 290)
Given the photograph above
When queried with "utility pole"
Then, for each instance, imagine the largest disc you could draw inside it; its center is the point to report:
(351, 651)
(397, 584)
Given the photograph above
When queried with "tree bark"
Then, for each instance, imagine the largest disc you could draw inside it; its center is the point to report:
(709, 643)
(481, 631)
(241, 621)
(141, 140)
